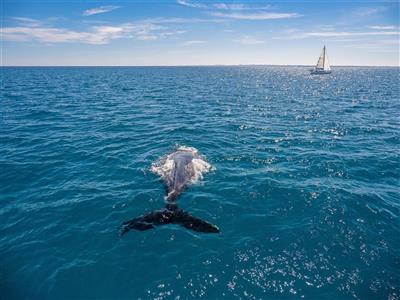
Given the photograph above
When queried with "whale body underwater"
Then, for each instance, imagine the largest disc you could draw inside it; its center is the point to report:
(178, 170)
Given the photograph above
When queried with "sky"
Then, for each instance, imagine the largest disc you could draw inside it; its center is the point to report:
(189, 32)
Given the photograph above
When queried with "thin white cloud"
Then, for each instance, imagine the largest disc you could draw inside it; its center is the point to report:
(182, 20)
(376, 46)
(346, 33)
(381, 43)
(249, 40)
(332, 35)
(382, 27)
(191, 4)
(99, 10)
(190, 43)
(91, 21)
(237, 11)
(238, 6)
(96, 35)
(170, 33)
(28, 21)
(222, 6)
(42, 34)
(254, 16)
(324, 27)
(368, 11)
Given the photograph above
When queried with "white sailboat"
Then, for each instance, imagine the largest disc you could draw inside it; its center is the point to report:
(323, 66)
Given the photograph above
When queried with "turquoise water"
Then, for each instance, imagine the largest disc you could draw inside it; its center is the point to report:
(305, 186)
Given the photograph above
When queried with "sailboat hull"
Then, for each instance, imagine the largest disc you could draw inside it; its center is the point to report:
(323, 67)
(320, 72)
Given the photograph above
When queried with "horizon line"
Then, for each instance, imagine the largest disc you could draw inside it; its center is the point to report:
(205, 65)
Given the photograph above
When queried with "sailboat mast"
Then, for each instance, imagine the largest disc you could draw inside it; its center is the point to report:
(323, 66)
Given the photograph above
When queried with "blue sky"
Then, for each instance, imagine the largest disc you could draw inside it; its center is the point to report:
(189, 32)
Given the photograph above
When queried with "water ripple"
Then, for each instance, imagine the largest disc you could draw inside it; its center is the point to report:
(305, 191)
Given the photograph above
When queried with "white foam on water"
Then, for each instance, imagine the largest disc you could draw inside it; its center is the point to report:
(165, 165)
(190, 149)
(200, 167)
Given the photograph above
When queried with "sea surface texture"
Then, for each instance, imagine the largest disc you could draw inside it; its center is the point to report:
(304, 183)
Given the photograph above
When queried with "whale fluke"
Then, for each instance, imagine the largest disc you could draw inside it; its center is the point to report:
(178, 170)
(170, 215)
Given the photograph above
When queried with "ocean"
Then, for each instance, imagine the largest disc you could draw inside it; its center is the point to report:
(304, 183)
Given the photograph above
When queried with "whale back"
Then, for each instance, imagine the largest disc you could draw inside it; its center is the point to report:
(183, 171)
(180, 169)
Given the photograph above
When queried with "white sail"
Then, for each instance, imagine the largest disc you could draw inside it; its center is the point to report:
(323, 65)
(327, 66)
(320, 63)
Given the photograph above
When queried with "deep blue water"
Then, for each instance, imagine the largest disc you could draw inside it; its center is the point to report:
(305, 188)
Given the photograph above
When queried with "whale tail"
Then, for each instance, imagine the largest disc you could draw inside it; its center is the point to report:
(170, 215)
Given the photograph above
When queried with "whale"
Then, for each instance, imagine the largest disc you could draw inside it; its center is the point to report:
(178, 170)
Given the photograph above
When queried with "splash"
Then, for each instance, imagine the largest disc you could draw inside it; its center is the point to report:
(190, 149)
(165, 165)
